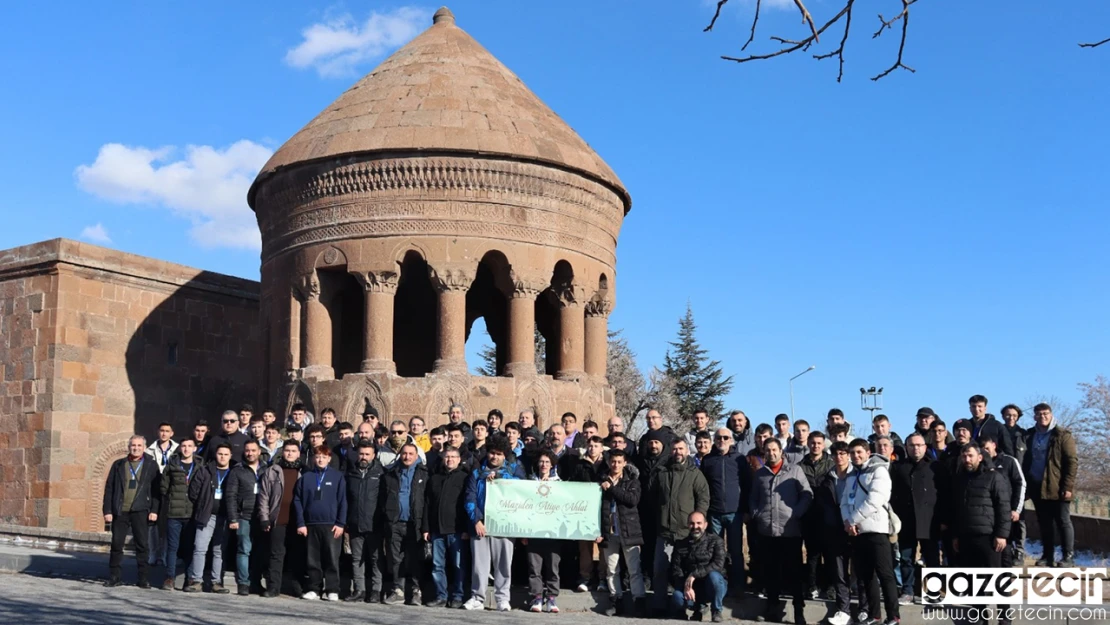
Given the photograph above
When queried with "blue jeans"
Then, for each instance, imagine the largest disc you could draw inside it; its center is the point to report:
(712, 587)
(449, 549)
(896, 560)
(243, 553)
(173, 543)
(730, 527)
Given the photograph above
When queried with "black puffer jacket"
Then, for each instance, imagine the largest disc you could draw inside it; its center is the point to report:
(445, 510)
(364, 495)
(587, 471)
(994, 428)
(913, 496)
(1017, 436)
(175, 487)
(392, 503)
(722, 473)
(827, 504)
(202, 492)
(982, 498)
(697, 557)
(626, 494)
(241, 491)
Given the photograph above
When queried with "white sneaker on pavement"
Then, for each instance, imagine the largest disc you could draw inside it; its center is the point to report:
(310, 596)
(504, 607)
(331, 596)
(840, 618)
(474, 603)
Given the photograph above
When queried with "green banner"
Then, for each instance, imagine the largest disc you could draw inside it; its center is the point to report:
(535, 509)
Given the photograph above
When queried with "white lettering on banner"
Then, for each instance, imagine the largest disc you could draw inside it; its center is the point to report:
(1031, 586)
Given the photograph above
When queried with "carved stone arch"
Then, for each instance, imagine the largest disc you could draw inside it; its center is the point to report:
(446, 391)
(359, 396)
(397, 255)
(535, 394)
(299, 392)
(97, 474)
(331, 256)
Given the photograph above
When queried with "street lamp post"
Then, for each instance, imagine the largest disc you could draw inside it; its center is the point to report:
(871, 400)
(811, 368)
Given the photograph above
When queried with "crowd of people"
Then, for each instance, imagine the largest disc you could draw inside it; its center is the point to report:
(782, 510)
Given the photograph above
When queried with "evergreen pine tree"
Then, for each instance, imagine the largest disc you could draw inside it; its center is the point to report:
(699, 382)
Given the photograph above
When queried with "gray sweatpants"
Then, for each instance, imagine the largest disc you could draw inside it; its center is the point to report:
(497, 553)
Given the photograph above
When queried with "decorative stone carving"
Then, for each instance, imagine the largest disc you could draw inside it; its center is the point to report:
(357, 396)
(447, 390)
(307, 287)
(599, 308)
(570, 294)
(527, 285)
(535, 393)
(97, 479)
(379, 281)
(331, 255)
(451, 277)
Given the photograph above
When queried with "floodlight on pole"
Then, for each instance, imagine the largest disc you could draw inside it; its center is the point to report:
(811, 368)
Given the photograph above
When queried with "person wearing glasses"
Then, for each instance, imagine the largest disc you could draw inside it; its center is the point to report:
(913, 498)
(722, 469)
(398, 437)
(229, 435)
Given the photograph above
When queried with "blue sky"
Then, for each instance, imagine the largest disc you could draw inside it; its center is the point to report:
(938, 234)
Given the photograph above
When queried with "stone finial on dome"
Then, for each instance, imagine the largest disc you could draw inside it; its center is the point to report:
(443, 15)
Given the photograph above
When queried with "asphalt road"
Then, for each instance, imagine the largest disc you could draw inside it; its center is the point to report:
(27, 599)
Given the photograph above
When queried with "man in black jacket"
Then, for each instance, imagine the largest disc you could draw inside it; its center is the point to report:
(445, 526)
(207, 491)
(1011, 414)
(982, 526)
(1010, 469)
(405, 485)
(230, 436)
(913, 498)
(242, 492)
(178, 509)
(815, 465)
(621, 534)
(722, 469)
(364, 492)
(984, 424)
(697, 572)
(131, 500)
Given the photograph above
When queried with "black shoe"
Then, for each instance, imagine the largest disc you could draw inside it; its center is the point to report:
(394, 597)
(271, 593)
(454, 604)
(436, 603)
(697, 616)
(358, 596)
(639, 607)
(144, 584)
(1044, 563)
(611, 610)
(717, 617)
(1068, 561)
(375, 596)
(414, 599)
(243, 590)
(113, 582)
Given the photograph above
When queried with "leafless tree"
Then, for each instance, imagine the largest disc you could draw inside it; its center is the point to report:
(842, 18)
(629, 386)
(660, 395)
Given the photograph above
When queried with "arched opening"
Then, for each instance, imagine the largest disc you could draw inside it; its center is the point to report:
(486, 300)
(547, 315)
(345, 301)
(414, 319)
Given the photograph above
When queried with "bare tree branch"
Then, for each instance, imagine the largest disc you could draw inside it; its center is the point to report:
(839, 52)
(794, 46)
(717, 14)
(755, 20)
(807, 18)
(905, 17)
(884, 24)
(1092, 45)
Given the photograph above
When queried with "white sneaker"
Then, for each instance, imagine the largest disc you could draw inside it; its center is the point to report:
(474, 603)
(840, 618)
(310, 596)
(862, 619)
(504, 607)
(331, 596)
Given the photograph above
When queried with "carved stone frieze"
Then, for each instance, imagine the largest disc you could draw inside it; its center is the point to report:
(307, 287)
(599, 308)
(570, 294)
(528, 285)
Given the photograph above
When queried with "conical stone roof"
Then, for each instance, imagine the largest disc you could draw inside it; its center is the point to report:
(442, 92)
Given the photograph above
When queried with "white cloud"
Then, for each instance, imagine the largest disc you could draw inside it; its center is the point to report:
(207, 186)
(96, 234)
(337, 47)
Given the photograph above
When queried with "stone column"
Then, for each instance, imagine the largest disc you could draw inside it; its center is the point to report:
(293, 328)
(317, 332)
(451, 282)
(377, 350)
(597, 337)
(522, 325)
(572, 332)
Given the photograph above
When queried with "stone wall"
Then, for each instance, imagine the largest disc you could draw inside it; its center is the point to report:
(97, 345)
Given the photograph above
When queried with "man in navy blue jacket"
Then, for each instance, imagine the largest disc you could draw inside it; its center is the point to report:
(722, 469)
(320, 508)
(490, 551)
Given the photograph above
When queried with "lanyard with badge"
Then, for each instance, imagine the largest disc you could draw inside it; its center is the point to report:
(257, 479)
(220, 484)
(189, 474)
(165, 455)
(135, 474)
(319, 482)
